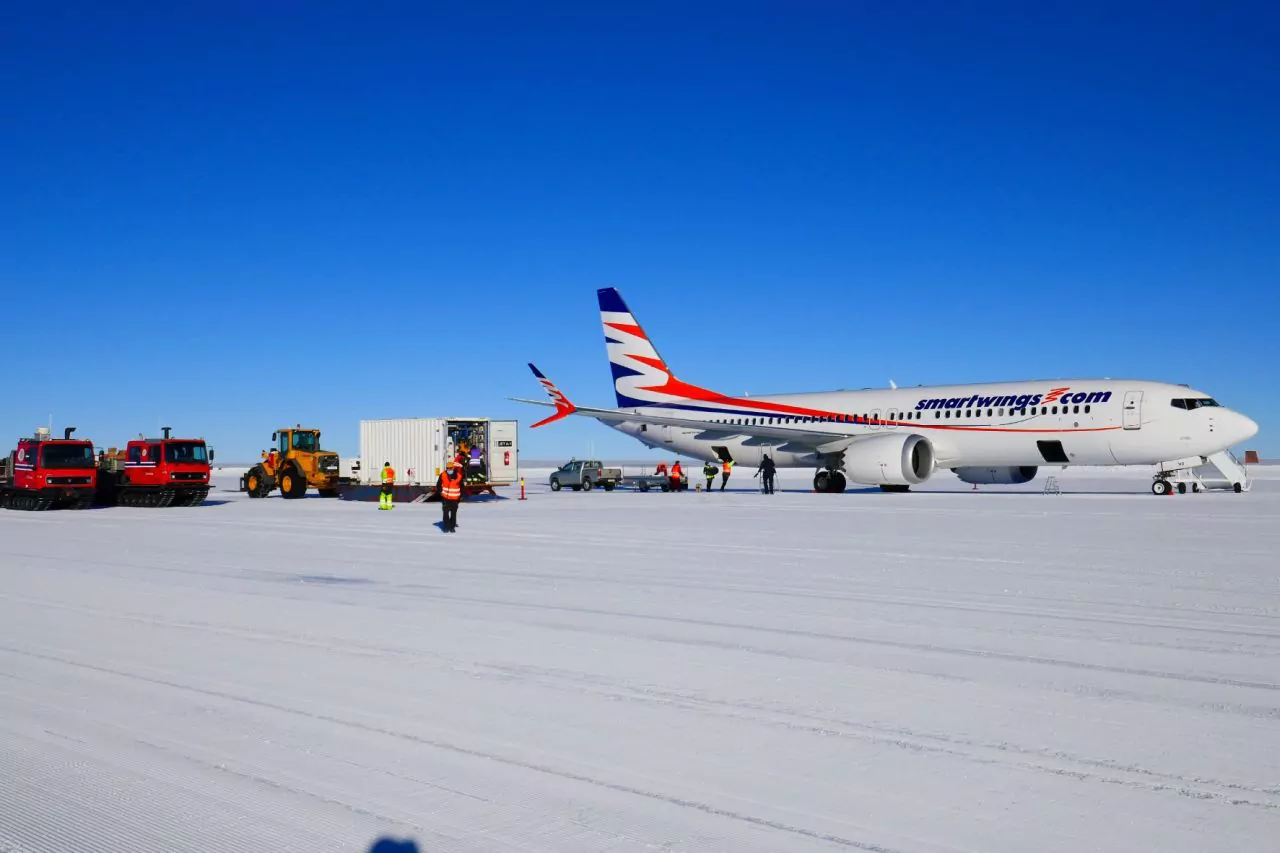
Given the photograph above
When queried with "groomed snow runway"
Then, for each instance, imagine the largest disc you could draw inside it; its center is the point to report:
(1000, 671)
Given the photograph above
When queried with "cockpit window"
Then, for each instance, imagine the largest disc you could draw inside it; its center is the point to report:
(1190, 403)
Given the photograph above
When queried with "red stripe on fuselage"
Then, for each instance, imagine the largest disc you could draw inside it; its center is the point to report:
(684, 391)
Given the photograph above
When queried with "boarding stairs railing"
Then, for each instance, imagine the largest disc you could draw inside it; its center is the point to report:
(1224, 467)
(1221, 470)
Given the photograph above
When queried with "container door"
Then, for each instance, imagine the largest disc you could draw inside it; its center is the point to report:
(1133, 410)
(503, 463)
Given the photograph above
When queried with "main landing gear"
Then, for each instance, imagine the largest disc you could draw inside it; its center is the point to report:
(830, 482)
(1162, 486)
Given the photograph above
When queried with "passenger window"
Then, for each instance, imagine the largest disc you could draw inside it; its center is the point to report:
(1086, 409)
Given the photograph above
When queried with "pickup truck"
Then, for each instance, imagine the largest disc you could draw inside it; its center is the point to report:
(584, 475)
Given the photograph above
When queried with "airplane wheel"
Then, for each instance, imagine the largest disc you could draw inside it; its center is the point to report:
(822, 481)
(1237, 488)
(1160, 487)
(837, 482)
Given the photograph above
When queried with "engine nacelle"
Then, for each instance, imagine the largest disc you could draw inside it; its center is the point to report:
(1014, 475)
(890, 460)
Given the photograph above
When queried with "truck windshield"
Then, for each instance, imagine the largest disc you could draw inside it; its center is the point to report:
(66, 456)
(306, 441)
(185, 451)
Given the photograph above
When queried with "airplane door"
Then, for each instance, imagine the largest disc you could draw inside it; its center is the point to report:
(665, 432)
(1132, 418)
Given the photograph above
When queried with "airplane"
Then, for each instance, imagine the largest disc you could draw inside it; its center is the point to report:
(896, 438)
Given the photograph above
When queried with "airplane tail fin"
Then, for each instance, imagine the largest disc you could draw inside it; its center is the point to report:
(564, 407)
(640, 376)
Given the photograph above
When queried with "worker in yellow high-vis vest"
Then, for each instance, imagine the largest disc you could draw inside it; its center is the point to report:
(387, 497)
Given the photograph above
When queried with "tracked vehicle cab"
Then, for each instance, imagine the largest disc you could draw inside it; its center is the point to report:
(43, 473)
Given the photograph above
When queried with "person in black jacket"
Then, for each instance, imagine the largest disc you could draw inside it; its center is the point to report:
(767, 472)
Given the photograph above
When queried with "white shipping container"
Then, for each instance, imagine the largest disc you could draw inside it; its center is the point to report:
(419, 447)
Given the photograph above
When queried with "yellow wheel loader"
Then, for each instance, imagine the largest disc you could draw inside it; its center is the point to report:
(294, 464)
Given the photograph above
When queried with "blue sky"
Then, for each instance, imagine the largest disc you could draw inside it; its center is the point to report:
(238, 216)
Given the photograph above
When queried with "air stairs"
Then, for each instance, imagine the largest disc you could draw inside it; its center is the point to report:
(1221, 470)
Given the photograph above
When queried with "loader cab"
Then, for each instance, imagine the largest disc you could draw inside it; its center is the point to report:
(301, 440)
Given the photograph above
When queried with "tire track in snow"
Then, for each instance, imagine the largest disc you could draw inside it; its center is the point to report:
(561, 773)
(906, 738)
(1011, 657)
(289, 820)
(1232, 793)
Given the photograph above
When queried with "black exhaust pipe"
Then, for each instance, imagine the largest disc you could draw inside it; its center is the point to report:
(166, 431)
(66, 433)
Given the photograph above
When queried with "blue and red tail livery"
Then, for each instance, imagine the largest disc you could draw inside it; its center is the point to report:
(640, 376)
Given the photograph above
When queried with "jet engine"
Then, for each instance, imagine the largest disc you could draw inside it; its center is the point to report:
(1007, 476)
(890, 460)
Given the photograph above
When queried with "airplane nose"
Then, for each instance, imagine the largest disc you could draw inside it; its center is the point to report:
(1242, 428)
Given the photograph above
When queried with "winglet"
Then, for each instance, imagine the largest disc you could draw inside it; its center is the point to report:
(564, 408)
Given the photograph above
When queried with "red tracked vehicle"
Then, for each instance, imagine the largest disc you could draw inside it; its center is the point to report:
(155, 472)
(43, 473)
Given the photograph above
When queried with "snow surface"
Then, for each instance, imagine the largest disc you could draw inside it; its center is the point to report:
(949, 670)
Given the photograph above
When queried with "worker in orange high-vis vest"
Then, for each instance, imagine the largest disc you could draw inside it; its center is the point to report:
(387, 497)
(725, 471)
(449, 486)
(676, 474)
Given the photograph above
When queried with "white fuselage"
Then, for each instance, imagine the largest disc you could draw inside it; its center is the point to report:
(1097, 422)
